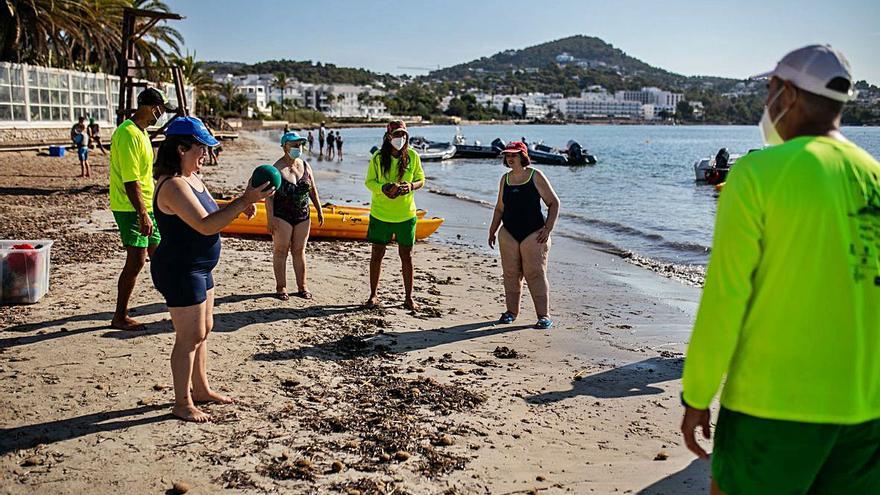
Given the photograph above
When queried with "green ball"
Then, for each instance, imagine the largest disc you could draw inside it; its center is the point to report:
(266, 173)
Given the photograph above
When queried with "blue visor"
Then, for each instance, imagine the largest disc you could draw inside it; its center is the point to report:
(292, 136)
(191, 126)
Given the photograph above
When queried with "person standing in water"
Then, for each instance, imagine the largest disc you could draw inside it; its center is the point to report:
(524, 235)
(289, 215)
(394, 174)
(339, 146)
(321, 137)
(331, 145)
(789, 320)
(311, 142)
(188, 253)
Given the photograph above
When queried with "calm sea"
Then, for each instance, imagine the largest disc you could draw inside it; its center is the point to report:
(641, 196)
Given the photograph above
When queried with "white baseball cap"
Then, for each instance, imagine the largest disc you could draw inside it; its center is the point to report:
(812, 68)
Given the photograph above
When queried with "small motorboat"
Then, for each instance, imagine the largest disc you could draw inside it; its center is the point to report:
(714, 170)
(577, 155)
(429, 151)
(545, 155)
(477, 149)
(572, 155)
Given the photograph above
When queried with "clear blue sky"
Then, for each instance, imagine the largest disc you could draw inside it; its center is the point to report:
(730, 38)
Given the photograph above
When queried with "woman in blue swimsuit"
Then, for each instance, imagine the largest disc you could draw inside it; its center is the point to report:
(182, 265)
(289, 215)
(524, 239)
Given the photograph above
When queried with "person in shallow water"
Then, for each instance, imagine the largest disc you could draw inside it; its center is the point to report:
(393, 175)
(524, 235)
(790, 309)
(190, 221)
(289, 215)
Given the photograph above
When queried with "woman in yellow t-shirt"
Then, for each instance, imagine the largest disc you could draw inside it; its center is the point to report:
(394, 173)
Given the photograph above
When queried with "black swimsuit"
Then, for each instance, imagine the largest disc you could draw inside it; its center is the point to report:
(522, 208)
(291, 201)
(182, 265)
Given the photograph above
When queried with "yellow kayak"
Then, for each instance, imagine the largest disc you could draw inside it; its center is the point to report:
(339, 223)
(331, 208)
(719, 187)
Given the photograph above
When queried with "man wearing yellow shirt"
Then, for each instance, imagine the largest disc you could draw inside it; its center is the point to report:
(790, 312)
(394, 174)
(131, 196)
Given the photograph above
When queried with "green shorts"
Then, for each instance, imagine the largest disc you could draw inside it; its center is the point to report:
(756, 456)
(130, 232)
(379, 232)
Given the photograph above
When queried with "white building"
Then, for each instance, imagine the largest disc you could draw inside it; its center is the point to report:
(336, 100)
(255, 94)
(662, 100)
(599, 106)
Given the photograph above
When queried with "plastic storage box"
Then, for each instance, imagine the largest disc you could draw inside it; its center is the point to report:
(24, 272)
(56, 151)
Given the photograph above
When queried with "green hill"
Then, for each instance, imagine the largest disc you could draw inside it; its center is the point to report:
(595, 62)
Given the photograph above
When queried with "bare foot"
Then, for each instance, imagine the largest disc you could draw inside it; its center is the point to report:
(190, 413)
(211, 396)
(410, 304)
(372, 302)
(127, 323)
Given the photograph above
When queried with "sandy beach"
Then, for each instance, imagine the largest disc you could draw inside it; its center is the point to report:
(332, 398)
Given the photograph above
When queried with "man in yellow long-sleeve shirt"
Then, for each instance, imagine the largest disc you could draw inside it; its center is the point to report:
(791, 306)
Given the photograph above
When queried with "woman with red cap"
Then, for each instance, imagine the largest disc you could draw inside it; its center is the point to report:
(524, 238)
(395, 172)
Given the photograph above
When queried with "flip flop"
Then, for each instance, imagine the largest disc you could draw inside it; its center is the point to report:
(304, 294)
(506, 318)
(282, 296)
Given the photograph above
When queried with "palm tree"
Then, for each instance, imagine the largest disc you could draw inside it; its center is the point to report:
(159, 43)
(193, 72)
(80, 33)
(34, 30)
(240, 102)
(227, 89)
(280, 83)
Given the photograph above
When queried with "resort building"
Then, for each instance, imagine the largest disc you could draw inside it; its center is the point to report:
(662, 100)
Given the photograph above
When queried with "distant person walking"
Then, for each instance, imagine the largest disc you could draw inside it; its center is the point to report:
(321, 137)
(131, 196)
(339, 145)
(95, 135)
(289, 215)
(331, 145)
(394, 174)
(79, 135)
(190, 249)
(524, 235)
(311, 142)
(790, 313)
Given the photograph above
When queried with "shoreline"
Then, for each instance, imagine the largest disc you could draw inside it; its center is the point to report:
(333, 398)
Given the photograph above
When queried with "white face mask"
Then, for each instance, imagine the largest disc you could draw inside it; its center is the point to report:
(398, 142)
(768, 126)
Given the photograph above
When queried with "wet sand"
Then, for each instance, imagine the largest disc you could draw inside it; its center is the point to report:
(333, 398)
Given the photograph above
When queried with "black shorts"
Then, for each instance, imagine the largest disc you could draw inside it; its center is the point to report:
(182, 287)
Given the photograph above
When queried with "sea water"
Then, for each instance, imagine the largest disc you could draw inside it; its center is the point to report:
(641, 197)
